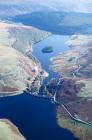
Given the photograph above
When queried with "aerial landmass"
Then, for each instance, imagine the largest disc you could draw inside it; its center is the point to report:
(9, 131)
(69, 88)
(18, 66)
(74, 88)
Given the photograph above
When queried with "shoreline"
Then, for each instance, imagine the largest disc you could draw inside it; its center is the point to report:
(9, 130)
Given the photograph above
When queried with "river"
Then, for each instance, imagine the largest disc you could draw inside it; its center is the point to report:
(36, 117)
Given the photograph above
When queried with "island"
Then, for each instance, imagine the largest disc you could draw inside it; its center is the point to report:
(48, 49)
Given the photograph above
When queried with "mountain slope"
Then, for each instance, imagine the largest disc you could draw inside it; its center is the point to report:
(18, 67)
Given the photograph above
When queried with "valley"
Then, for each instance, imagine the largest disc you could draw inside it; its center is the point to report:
(45, 70)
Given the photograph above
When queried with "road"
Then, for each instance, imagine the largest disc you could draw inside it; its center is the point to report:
(75, 118)
(78, 64)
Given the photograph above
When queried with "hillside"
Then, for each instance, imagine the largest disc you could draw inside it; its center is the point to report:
(18, 66)
(75, 90)
(8, 131)
(14, 72)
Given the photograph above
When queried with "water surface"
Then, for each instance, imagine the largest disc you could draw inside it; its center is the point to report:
(36, 117)
(58, 42)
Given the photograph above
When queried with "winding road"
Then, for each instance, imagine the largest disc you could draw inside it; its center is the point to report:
(73, 117)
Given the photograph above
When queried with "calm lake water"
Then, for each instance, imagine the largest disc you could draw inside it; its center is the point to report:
(36, 117)
(58, 43)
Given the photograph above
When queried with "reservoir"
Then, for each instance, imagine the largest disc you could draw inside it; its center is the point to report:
(36, 117)
(58, 43)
